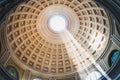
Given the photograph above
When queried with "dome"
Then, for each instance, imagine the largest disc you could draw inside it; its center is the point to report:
(57, 37)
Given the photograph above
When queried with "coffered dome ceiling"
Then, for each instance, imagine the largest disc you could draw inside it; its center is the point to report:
(38, 46)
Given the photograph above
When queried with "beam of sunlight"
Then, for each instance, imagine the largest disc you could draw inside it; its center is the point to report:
(77, 50)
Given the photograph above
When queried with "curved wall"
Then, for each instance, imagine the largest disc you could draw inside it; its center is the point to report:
(112, 8)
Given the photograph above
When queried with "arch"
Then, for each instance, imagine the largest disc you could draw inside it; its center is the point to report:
(95, 75)
(12, 71)
(113, 57)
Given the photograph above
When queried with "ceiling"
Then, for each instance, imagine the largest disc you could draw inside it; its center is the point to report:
(35, 46)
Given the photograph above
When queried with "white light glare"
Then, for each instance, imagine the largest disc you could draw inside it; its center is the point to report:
(57, 23)
(37, 79)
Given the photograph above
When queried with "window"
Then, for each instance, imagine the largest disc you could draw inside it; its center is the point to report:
(113, 57)
(12, 71)
(94, 76)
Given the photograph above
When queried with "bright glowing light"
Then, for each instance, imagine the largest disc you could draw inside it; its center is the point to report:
(37, 79)
(97, 41)
(57, 23)
(94, 76)
(76, 59)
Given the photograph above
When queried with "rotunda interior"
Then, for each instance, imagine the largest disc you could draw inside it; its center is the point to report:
(59, 40)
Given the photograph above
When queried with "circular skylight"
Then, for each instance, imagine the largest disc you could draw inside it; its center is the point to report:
(57, 23)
